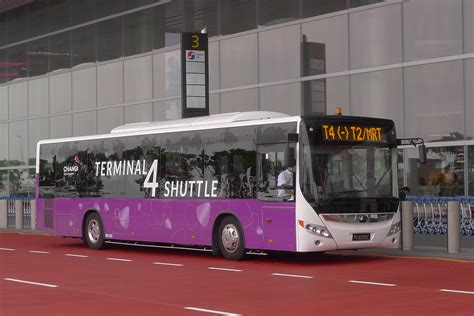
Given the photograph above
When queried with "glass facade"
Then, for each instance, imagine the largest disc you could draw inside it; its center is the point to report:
(71, 68)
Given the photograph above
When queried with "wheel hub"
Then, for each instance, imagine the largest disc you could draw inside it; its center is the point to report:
(230, 238)
(93, 230)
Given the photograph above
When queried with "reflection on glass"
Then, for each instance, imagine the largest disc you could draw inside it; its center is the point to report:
(4, 183)
(37, 55)
(442, 175)
(59, 53)
(16, 58)
(470, 170)
(37, 18)
(109, 39)
(314, 8)
(60, 14)
(20, 183)
(277, 11)
(137, 33)
(83, 45)
(359, 3)
(17, 24)
(238, 15)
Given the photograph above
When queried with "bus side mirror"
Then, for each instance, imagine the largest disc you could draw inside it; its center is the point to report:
(422, 153)
(290, 159)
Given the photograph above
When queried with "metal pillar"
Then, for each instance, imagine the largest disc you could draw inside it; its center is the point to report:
(407, 225)
(454, 242)
(19, 214)
(3, 214)
(33, 214)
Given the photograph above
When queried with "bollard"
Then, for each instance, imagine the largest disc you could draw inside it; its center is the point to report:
(407, 225)
(453, 227)
(33, 214)
(18, 214)
(3, 213)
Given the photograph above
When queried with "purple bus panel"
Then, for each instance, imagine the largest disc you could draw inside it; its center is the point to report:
(266, 225)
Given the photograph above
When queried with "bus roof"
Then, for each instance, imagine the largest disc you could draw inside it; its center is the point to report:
(199, 121)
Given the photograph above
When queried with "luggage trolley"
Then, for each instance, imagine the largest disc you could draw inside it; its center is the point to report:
(466, 217)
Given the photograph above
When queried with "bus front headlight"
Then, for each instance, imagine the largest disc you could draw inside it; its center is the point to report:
(318, 230)
(395, 228)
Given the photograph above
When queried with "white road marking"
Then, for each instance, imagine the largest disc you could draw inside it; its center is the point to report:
(168, 264)
(29, 282)
(118, 259)
(224, 269)
(456, 291)
(7, 249)
(73, 255)
(372, 283)
(37, 251)
(210, 311)
(294, 275)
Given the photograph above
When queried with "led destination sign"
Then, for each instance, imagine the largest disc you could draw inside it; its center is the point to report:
(351, 133)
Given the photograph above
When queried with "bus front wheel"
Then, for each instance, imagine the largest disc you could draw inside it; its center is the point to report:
(94, 232)
(231, 239)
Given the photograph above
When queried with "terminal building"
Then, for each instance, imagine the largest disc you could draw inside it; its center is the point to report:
(82, 67)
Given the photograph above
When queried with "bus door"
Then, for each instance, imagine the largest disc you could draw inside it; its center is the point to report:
(276, 195)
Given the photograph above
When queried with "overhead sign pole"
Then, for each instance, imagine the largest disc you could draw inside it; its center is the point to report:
(194, 74)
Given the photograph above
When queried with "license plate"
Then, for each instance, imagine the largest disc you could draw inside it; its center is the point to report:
(360, 237)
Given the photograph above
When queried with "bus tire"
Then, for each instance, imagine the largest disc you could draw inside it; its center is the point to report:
(94, 232)
(230, 239)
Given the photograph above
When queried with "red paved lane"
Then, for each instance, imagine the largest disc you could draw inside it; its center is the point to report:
(96, 285)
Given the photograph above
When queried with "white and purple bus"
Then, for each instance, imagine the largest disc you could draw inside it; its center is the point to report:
(212, 182)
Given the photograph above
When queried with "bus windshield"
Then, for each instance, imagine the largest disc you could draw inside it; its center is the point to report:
(337, 167)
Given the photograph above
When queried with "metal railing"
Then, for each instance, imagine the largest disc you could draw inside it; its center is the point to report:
(11, 214)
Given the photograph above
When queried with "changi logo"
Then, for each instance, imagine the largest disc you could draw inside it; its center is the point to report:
(177, 188)
(71, 169)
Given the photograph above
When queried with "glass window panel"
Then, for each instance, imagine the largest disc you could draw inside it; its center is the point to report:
(379, 94)
(128, 5)
(20, 182)
(3, 29)
(110, 84)
(281, 98)
(277, 11)
(60, 93)
(241, 100)
(17, 24)
(17, 63)
(359, 3)
(328, 46)
(375, 37)
(167, 110)
(109, 39)
(238, 61)
(4, 183)
(84, 88)
(434, 101)
(138, 113)
(468, 17)
(37, 18)
(83, 45)
(3, 103)
(432, 28)
(109, 119)
(38, 130)
(318, 7)
(84, 123)
(108, 7)
(137, 32)
(324, 95)
(5, 74)
(60, 126)
(60, 51)
(442, 175)
(18, 143)
(3, 144)
(38, 96)
(169, 22)
(82, 11)
(470, 170)
(284, 65)
(238, 16)
(205, 15)
(469, 94)
(166, 74)
(37, 53)
(59, 14)
(138, 79)
(17, 100)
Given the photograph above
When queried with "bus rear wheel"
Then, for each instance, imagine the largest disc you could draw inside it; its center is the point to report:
(231, 239)
(94, 232)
